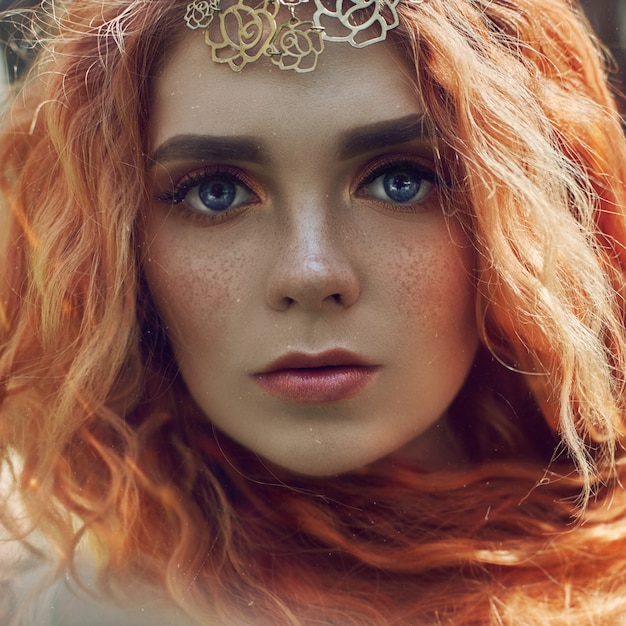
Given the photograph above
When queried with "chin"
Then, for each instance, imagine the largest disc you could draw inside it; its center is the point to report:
(320, 467)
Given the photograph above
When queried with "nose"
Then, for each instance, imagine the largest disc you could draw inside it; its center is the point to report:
(312, 267)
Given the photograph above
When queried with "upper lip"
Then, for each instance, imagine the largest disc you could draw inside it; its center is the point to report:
(303, 360)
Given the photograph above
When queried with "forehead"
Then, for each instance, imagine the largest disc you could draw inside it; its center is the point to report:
(350, 87)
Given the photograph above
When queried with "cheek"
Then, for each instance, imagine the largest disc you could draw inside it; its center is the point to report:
(433, 280)
(192, 288)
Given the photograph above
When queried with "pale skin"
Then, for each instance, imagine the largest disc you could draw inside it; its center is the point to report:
(307, 254)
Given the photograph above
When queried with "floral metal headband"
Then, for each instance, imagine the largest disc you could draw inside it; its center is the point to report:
(243, 33)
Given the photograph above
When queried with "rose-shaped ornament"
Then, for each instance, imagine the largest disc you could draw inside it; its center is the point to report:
(242, 33)
(200, 13)
(357, 22)
(296, 46)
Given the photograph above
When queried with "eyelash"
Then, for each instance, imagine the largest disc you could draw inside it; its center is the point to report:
(376, 169)
(178, 192)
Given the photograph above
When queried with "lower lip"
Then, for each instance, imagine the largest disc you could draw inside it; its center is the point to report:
(319, 385)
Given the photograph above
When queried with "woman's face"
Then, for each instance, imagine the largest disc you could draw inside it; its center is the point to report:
(319, 305)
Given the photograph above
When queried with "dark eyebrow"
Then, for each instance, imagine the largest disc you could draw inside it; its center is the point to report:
(206, 148)
(354, 142)
(383, 134)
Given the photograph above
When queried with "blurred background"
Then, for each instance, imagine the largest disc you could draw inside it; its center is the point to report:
(15, 52)
(608, 18)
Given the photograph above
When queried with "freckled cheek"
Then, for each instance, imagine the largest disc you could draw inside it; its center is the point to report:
(193, 290)
(434, 284)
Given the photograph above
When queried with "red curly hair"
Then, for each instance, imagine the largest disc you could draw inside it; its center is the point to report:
(534, 533)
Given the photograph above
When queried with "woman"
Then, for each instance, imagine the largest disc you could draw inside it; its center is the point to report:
(315, 315)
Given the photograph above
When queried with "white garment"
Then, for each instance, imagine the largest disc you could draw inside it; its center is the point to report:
(35, 602)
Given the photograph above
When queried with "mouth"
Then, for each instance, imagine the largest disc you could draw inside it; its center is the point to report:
(323, 378)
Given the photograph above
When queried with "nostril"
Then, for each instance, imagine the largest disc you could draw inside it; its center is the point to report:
(312, 281)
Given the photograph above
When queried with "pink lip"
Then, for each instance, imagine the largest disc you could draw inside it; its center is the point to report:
(322, 378)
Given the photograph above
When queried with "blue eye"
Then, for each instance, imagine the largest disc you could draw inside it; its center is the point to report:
(403, 183)
(215, 191)
(217, 194)
(402, 186)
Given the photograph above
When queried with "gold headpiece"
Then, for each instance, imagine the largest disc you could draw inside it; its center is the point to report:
(247, 30)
